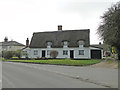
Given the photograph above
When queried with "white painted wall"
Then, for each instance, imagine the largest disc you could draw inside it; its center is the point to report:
(14, 48)
(11, 48)
(87, 53)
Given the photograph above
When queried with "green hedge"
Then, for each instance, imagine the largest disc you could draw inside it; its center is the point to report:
(61, 62)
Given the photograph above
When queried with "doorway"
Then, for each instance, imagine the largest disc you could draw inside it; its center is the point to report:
(72, 54)
(43, 53)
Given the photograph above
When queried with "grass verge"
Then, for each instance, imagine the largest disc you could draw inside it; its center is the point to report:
(60, 62)
(119, 64)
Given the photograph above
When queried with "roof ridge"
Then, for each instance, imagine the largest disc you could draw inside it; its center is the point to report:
(13, 43)
(62, 31)
(39, 39)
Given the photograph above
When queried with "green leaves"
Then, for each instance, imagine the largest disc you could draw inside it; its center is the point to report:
(7, 54)
(10, 54)
(109, 30)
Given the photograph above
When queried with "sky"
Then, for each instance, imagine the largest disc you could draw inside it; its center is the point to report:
(19, 19)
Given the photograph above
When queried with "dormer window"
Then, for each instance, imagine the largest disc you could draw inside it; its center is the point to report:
(65, 44)
(81, 43)
(49, 44)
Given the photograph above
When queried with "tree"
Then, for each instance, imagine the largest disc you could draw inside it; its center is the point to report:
(109, 29)
(7, 54)
(18, 53)
(54, 54)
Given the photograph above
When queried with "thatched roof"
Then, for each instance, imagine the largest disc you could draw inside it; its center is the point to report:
(40, 39)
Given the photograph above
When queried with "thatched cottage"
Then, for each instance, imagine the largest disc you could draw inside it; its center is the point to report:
(74, 44)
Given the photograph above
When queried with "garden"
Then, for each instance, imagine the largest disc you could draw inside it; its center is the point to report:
(14, 56)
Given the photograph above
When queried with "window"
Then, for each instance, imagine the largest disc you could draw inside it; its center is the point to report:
(81, 42)
(25, 51)
(35, 52)
(49, 43)
(81, 52)
(48, 52)
(65, 52)
(65, 44)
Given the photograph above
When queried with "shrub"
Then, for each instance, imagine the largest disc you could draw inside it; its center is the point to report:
(17, 53)
(8, 54)
(43, 58)
(54, 54)
(24, 54)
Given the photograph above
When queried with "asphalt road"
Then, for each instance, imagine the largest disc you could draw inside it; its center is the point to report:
(23, 75)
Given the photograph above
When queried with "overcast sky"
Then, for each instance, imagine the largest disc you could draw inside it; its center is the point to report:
(20, 18)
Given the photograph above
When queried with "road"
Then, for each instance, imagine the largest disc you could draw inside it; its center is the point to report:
(0, 74)
(0, 66)
(23, 75)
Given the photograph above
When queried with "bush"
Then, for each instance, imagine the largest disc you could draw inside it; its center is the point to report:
(8, 54)
(54, 54)
(17, 53)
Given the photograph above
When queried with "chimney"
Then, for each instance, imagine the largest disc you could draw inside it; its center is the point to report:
(27, 42)
(6, 39)
(59, 27)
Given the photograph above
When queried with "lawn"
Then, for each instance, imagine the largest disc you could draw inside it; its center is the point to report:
(60, 62)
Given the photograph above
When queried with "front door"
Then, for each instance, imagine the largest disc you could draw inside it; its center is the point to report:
(72, 54)
(43, 53)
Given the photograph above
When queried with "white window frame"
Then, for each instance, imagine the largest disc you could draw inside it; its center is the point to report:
(81, 52)
(65, 44)
(35, 52)
(48, 52)
(49, 44)
(65, 52)
(81, 43)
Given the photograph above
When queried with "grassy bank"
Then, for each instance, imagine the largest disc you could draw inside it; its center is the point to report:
(60, 62)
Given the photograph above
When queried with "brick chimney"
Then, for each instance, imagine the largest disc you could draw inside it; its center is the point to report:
(27, 42)
(6, 39)
(59, 27)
